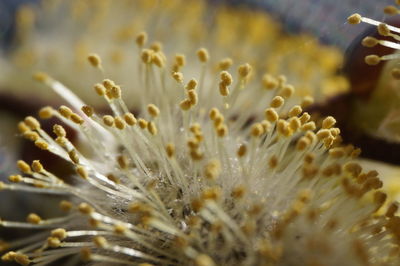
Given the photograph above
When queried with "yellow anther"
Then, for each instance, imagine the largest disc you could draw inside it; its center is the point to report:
(151, 127)
(192, 97)
(295, 111)
(86, 254)
(15, 178)
(196, 155)
(156, 46)
(108, 120)
(158, 59)
(328, 122)
(269, 82)
(22, 259)
(46, 112)
(271, 115)
(273, 162)
(123, 161)
(77, 119)
(223, 89)
(323, 133)
(372, 59)
(294, 123)
(202, 55)
(85, 208)
(99, 89)
(65, 205)
(24, 167)
(287, 91)
(191, 85)
(41, 144)
(178, 77)
(82, 172)
(212, 169)
(266, 125)
(311, 136)
(302, 143)
(115, 92)
(59, 233)
(277, 102)
(369, 41)
(283, 128)
(225, 64)
(65, 111)
(238, 192)
(242, 150)
(53, 242)
(141, 39)
(37, 166)
(113, 178)
(204, 260)
(100, 241)
(33, 218)
(23, 128)
(88, 110)
(73, 155)
(222, 130)
(257, 130)
(32, 123)
(307, 101)
(108, 84)
(180, 60)
(304, 118)
(383, 29)
(146, 55)
(244, 70)
(185, 104)
(130, 119)
(41, 77)
(153, 110)
(226, 78)
(214, 112)
(94, 60)
(31, 135)
(309, 126)
(391, 10)
(120, 229)
(170, 150)
(213, 193)
(119, 123)
(219, 119)
(142, 123)
(354, 19)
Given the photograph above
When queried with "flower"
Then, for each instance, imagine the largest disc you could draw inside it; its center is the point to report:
(214, 168)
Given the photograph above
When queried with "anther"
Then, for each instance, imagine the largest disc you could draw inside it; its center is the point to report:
(242, 150)
(33, 218)
(94, 60)
(37, 166)
(202, 55)
(65, 111)
(88, 110)
(153, 110)
(46, 112)
(32, 123)
(225, 64)
(372, 59)
(141, 39)
(354, 19)
(130, 119)
(108, 120)
(277, 102)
